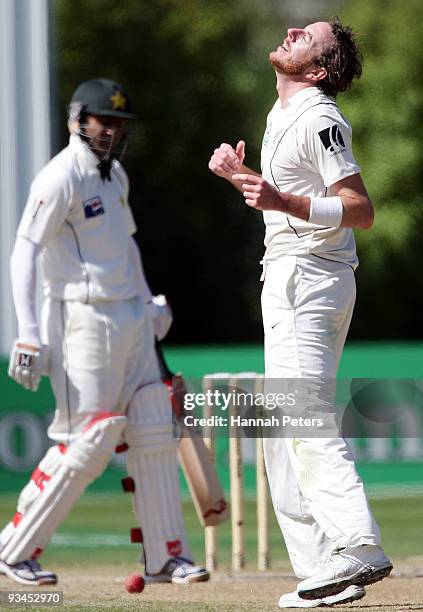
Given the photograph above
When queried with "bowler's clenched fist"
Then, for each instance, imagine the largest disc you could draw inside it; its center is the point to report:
(226, 160)
(258, 193)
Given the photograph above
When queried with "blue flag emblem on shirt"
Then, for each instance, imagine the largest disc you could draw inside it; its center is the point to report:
(93, 207)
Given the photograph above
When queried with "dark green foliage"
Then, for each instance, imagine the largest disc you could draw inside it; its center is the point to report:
(385, 109)
(197, 78)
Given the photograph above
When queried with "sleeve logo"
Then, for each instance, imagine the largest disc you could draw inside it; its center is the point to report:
(332, 140)
(93, 207)
(37, 208)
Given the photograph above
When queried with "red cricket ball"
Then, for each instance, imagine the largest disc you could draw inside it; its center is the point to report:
(134, 583)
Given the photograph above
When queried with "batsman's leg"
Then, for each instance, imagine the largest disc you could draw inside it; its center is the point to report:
(152, 465)
(47, 467)
(85, 459)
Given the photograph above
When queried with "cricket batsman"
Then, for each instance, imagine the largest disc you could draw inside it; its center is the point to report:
(96, 342)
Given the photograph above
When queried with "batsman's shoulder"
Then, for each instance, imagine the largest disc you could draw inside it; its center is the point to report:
(59, 174)
(120, 172)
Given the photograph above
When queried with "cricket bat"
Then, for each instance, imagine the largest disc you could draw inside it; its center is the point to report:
(194, 457)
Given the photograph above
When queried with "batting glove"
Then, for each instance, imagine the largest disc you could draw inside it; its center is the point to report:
(161, 314)
(27, 363)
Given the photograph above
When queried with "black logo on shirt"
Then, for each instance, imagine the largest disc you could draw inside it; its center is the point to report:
(332, 140)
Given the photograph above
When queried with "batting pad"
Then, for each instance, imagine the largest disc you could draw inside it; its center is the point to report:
(153, 466)
(85, 459)
(47, 467)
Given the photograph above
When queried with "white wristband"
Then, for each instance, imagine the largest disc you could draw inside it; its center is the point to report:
(326, 212)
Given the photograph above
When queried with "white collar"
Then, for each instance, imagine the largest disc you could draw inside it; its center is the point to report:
(84, 152)
(295, 101)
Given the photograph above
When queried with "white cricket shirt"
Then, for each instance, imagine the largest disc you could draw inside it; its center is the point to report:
(83, 225)
(306, 149)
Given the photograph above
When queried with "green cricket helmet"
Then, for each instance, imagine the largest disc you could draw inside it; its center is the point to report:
(102, 97)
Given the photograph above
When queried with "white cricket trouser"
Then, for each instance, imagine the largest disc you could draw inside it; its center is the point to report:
(319, 499)
(103, 366)
(100, 354)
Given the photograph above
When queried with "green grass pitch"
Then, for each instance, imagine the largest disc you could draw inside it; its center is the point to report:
(97, 531)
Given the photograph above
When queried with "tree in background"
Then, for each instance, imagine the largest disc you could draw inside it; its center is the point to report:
(196, 78)
(198, 74)
(385, 109)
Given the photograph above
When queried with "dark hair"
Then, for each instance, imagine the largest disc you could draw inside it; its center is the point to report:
(342, 60)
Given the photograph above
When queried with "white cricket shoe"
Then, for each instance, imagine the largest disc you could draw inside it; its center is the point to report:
(359, 565)
(28, 572)
(293, 600)
(179, 571)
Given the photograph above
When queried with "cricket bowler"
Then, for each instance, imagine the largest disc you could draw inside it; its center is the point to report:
(312, 197)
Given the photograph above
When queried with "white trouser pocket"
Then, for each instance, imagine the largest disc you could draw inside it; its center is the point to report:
(279, 291)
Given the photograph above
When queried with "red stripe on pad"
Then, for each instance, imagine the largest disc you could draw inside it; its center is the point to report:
(40, 478)
(174, 548)
(62, 448)
(136, 535)
(37, 552)
(128, 484)
(17, 518)
(121, 448)
(102, 416)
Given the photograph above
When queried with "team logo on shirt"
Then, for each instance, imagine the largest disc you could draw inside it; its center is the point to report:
(267, 133)
(332, 140)
(93, 207)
